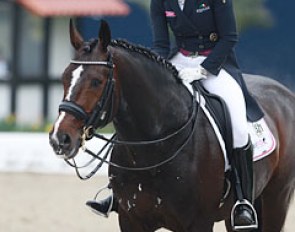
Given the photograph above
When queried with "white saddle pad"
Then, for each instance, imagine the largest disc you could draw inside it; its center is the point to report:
(262, 138)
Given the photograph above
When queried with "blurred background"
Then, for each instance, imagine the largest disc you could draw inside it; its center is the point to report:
(39, 191)
(35, 48)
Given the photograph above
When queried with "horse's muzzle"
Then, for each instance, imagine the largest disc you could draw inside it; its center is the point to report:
(62, 145)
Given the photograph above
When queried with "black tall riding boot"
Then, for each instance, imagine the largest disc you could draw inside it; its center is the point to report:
(244, 216)
(103, 207)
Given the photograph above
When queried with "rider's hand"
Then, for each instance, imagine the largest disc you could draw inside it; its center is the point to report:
(193, 74)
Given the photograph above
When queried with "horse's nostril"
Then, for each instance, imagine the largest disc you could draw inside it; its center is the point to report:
(65, 140)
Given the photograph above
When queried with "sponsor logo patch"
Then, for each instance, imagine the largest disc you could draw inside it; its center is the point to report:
(202, 8)
(170, 14)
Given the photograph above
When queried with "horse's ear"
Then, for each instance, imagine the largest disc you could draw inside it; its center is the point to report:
(76, 38)
(104, 35)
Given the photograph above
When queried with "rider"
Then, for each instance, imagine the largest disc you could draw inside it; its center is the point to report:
(205, 34)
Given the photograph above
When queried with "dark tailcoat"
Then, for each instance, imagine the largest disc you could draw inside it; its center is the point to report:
(202, 25)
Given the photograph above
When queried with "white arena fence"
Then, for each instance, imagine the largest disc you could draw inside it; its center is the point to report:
(31, 152)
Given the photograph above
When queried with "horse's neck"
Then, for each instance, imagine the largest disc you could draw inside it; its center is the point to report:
(151, 105)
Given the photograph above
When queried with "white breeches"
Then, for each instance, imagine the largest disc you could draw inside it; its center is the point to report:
(225, 86)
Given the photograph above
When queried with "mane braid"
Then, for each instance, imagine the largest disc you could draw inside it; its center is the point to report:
(147, 53)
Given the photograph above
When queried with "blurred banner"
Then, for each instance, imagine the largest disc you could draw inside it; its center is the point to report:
(47, 8)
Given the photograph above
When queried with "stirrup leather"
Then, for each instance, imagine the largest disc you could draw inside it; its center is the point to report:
(248, 227)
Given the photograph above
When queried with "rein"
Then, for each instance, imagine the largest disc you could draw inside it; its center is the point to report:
(113, 141)
(148, 142)
(103, 113)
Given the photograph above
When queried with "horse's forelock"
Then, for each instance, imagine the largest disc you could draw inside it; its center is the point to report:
(90, 45)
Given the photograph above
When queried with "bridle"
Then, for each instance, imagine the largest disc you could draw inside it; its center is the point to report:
(103, 114)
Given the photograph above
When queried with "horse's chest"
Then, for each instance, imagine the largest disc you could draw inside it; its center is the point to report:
(133, 199)
(148, 192)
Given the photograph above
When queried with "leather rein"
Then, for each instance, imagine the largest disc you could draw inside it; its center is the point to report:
(103, 113)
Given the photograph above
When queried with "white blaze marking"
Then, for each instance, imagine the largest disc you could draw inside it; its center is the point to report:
(76, 76)
(56, 126)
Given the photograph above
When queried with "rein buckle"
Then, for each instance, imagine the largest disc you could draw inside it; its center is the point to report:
(87, 134)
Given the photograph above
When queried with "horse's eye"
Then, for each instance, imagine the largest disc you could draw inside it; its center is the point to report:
(95, 83)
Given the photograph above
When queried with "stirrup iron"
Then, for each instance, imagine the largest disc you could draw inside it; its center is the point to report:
(106, 215)
(239, 203)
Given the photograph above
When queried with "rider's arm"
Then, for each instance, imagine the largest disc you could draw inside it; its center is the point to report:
(161, 42)
(227, 35)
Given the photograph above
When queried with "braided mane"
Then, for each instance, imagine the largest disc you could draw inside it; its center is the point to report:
(146, 53)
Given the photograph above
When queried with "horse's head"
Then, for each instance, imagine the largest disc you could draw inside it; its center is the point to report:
(88, 93)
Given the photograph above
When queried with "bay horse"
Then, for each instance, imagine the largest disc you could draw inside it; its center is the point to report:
(171, 174)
